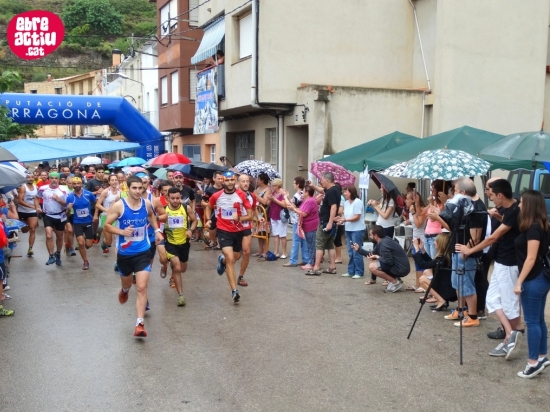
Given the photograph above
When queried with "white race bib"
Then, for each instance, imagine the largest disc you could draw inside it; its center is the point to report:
(138, 235)
(82, 212)
(228, 214)
(161, 227)
(63, 216)
(175, 222)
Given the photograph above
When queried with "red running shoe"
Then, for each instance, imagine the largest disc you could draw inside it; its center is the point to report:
(122, 297)
(140, 331)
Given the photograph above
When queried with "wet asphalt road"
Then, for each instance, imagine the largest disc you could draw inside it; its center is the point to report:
(294, 343)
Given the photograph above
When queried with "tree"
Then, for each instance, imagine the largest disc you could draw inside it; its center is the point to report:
(100, 15)
(8, 128)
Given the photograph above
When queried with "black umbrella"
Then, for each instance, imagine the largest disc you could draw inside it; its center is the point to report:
(389, 186)
(7, 156)
(207, 169)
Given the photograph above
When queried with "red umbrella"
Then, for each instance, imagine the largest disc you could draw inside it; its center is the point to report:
(105, 161)
(168, 159)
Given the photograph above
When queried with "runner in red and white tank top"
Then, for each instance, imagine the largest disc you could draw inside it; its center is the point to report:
(244, 185)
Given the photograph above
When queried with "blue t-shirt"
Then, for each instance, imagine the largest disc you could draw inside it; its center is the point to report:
(139, 241)
(82, 207)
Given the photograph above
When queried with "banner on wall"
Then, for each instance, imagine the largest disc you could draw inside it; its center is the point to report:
(206, 103)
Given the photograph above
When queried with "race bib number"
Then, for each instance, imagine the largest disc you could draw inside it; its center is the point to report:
(175, 222)
(82, 212)
(63, 216)
(228, 214)
(161, 227)
(138, 234)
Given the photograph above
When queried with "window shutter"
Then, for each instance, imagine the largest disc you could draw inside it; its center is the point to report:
(175, 87)
(245, 36)
(193, 84)
(193, 14)
(164, 90)
(164, 25)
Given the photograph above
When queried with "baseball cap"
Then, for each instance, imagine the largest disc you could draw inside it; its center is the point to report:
(90, 175)
(228, 175)
(176, 174)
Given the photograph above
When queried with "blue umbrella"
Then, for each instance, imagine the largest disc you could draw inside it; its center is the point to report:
(113, 165)
(186, 170)
(131, 161)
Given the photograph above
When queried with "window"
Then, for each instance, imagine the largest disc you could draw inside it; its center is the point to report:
(174, 149)
(213, 153)
(168, 20)
(58, 90)
(164, 91)
(272, 133)
(193, 152)
(193, 84)
(194, 14)
(245, 36)
(174, 78)
(34, 91)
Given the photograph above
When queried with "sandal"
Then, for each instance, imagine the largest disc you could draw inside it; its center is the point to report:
(411, 288)
(313, 272)
(216, 247)
(385, 283)
(241, 282)
(338, 262)
(420, 290)
(331, 271)
(261, 258)
(370, 282)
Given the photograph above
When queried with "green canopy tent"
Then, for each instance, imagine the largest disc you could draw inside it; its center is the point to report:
(467, 139)
(354, 158)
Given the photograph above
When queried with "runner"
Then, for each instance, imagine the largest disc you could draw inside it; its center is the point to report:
(187, 194)
(232, 209)
(244, 185)
(69, 233)
(55, 217)
(133, 216)
(159, 205)
(82, 201)
(27, 210)
(208, 193)
(106, 199)
(177, 215)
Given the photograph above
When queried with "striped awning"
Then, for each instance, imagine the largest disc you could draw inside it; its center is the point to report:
(213, 35)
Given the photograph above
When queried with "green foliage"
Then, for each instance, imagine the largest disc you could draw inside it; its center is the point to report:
(11, 8)
(39, 77)
(135, 7)
(99, 14)
(9, 80)
(122, 44)
(11, 130)
(144, 28)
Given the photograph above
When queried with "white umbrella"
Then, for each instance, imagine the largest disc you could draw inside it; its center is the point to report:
(91, 160)
(10, 176)
(397, 170)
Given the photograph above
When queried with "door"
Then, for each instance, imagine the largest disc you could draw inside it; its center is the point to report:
(244, 146)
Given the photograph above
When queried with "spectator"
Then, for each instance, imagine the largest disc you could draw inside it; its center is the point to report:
(263, 195)
(278, 227)
(388, 259)
(297, 242)
(309, 213)
(418, 221)
(341, 229)
(354, 221)
(533, 284)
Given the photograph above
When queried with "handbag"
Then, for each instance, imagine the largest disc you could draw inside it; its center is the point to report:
(299, 229)
(284, 215)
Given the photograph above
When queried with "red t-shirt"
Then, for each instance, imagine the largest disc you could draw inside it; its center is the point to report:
(227, 205)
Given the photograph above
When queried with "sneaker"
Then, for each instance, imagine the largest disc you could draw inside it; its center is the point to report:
(531, 371)
(86, 265)
(76, 248)
(497, 334)
(5, 297)
(122, 297)
(30, 252)
(140, 331)
(72, 251)
(104, 247)
(5, 312)
(241, 281)
(96, 240)
(481, 315)
(6, 287)
(454, 315)
(181, 300)
(545, 362)
(394, 287)
(468, 322)
(357, 277)
(172, 282)
(51, 260)
(58, 258)
(221, 265)
(147, 305)
(235, 295)
(499, 350)
(513, 342)
(346, 275)
(163, 270)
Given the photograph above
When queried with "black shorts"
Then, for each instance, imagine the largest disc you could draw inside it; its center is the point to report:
(70, 218)
(25, 216)
(134, 263)
(213, 221)
(84, 229)
(231, 239)
(152, 250)
(57, 224)
(179, 251)
(2, 271)
(247, 232)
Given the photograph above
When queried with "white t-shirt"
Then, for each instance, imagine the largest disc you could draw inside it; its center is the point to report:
(350, 210)
(390, 221)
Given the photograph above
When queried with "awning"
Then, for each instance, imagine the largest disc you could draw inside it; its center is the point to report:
(34, 150)
(213, 35)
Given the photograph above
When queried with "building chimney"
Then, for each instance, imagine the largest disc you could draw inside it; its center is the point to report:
(116, 57)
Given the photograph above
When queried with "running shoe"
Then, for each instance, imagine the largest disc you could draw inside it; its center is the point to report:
(163, 270)
(96, 240)
(147, 305)
(140, 331)
(51, 260)
(181, 300)
(531, 371)
(241, 281)
(172, 282)
(86, 265)
(5, 312)
(5, 297)
(122, 296)
(6, 287)
(116, 267)
(58, 258)
(235, 295)
(104, 247)
(30, 252)
(221, 265)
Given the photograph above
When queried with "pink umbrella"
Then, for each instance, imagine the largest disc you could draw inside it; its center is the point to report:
(133, 169)
(341, 175)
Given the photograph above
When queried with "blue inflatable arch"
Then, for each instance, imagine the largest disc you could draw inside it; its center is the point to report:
(54, 109)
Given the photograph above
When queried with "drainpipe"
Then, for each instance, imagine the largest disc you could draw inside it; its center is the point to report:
(425, 69)
(280, 157)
